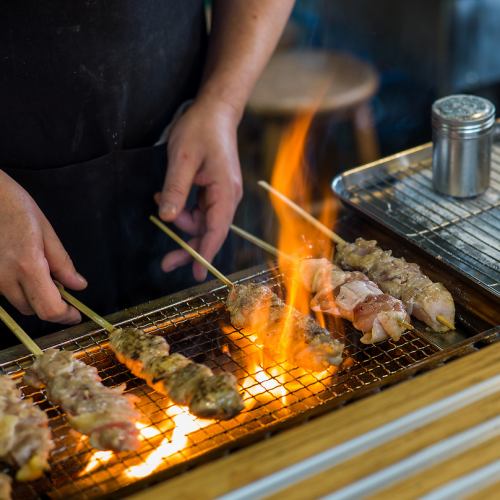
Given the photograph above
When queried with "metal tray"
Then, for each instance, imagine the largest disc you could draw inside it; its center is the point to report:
(463, 233)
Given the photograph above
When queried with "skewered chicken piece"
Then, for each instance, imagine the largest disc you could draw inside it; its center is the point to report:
(186, 383)
(308, 345)
(105, 414)
(428, 301)
(352, 296)
(5, 487)
(257, 308)
(25, 437)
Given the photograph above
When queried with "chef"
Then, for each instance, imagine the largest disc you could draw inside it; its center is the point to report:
(88, 89)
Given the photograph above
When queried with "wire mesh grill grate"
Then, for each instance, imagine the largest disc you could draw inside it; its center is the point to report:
(462, 232)
(199, 328)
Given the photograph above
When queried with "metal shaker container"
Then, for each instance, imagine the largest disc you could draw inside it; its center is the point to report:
(462, 136)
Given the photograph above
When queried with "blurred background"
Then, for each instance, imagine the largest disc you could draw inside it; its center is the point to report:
(370, 71)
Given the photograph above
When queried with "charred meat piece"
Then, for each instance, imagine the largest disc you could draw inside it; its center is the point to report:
(422, 298)
(258, 309)
(186, 383)
(352, 296)
(103, 413)
(25, 437)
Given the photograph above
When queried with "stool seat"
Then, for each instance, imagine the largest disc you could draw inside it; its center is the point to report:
(305, 80)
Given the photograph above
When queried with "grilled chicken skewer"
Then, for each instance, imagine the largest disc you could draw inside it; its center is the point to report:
(429, 302)
(352, 296)
(105, 414)
(349, 295)
(185, 382)
(207, 395)
(308, 344)
(25, 437)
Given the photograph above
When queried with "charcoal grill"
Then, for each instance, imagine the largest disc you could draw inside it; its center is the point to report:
(196, 324)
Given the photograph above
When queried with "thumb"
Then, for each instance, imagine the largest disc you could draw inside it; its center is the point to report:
(178, 181)
(60, 264)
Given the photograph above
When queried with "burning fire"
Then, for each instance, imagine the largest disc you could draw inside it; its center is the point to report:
(96, 460)
(297, 238)
(184, 424)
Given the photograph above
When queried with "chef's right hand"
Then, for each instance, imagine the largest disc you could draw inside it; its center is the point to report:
(30, 252)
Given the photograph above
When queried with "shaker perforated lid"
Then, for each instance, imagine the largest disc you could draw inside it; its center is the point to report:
(462, 112)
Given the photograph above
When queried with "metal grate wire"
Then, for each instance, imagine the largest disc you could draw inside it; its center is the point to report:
(199, 328)
(464, 233)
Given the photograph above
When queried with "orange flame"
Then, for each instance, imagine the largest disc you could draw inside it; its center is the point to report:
(98, 459)
(185, 423)
(297, 237)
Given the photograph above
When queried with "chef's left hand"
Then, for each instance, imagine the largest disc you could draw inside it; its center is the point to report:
(202, 151)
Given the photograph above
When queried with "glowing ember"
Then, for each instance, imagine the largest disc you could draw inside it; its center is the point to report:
(262, 382)
(147, 432)
(96, 460)
(185, 423)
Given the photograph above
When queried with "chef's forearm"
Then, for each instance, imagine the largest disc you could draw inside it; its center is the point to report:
(243, 37)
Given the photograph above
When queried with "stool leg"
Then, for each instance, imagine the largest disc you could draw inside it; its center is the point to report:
(365, 134)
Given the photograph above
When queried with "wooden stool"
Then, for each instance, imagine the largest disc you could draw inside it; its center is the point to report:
(302, 81)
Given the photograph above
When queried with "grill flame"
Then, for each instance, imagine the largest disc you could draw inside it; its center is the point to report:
(184, 424)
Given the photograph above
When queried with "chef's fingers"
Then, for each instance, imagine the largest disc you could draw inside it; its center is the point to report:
(60, 263)
(182, 167)
(191, 222)
(178, 258)
(43, 295)
(219, 212)
(15, 296)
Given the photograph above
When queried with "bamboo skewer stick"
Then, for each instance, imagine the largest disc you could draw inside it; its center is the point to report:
(16, 329)
(315, 222)
(191, 251)
(85, 309)
(445, 322)
(273, 250)
(261, 243)
(325, 230)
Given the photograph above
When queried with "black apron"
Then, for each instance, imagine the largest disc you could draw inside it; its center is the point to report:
(86, 88)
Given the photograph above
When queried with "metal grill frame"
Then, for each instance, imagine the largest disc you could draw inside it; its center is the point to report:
(375, 190)
(176, 316)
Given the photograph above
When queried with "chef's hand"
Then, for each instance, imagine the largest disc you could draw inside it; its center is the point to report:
(202, 151)
(30, 252)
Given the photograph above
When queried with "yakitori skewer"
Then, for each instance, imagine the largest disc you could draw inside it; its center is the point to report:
(308, 344)
(428, 301)
(185, 382)
(349, 295)
(105, 414)
(25, 437)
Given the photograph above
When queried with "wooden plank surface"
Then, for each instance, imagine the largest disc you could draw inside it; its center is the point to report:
(424, 482)
(394, 451)
(289, 447)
